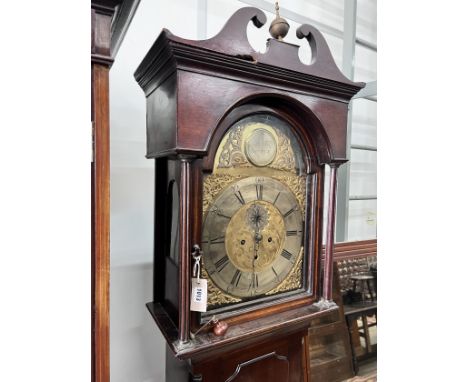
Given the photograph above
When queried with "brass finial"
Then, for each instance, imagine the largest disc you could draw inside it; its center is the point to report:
(279, 27)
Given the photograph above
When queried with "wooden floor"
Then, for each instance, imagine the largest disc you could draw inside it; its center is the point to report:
(367, 372)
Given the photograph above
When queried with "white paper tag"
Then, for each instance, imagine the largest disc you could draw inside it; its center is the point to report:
(199, 295)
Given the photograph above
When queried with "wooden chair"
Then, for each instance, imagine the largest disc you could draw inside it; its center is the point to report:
(354, 262)
(334, 340)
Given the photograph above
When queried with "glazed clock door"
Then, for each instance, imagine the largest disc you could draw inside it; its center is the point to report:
(254, 205)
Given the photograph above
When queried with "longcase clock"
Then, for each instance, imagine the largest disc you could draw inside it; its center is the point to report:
(240, 141)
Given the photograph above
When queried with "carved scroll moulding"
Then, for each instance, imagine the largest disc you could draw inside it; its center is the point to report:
(233, 40)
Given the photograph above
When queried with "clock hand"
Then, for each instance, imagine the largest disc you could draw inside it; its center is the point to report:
(256, 245)
(256, 219)
(257, 236)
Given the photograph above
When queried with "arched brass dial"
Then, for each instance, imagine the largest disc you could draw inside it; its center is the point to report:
(252, 236)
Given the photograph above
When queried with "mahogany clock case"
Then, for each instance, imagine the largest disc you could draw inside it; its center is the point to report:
(197, 90)
(167, 238)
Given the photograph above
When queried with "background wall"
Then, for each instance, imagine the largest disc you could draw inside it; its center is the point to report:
(137, 348)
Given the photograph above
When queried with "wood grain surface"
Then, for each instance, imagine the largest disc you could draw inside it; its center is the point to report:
(101, 16)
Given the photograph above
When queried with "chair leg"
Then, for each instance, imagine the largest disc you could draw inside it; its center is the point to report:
(370, 290)
(349, 324)
(366, 333)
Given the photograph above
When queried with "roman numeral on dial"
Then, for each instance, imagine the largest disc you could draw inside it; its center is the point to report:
(236, 278)
(217, 240)
(259, 188)
(222, 215)
(239, 197)
(276, 273)
(289, 212)
(287, 255)
(276, 199)
(293, 232)
(221, 263)
(254, 282)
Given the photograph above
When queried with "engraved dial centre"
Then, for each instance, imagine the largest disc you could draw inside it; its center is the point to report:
(256, 230)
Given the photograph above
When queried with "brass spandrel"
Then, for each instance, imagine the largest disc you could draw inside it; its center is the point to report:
(297, 185)
(213, 185)
(217, 297)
